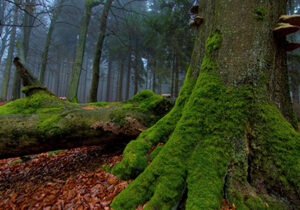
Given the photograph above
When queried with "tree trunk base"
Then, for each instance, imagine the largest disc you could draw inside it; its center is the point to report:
(223, 147)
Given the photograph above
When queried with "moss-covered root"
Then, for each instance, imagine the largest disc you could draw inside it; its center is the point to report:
(213, 118)
(135, 160)
(265, 172)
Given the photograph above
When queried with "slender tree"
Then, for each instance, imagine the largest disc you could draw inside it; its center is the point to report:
(28, 23)
(9, 55)
(98, 51)
(73, 87)
(56, 13)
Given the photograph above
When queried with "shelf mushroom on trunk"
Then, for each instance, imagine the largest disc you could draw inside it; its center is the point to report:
(288, 24)
(292, 46)
(291, 19)
(194, 9)
(196, 22)
(284, 29)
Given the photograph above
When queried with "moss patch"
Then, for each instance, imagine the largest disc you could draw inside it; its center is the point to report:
(260, 13)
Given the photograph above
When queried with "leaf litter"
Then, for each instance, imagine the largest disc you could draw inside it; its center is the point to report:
(63, 179)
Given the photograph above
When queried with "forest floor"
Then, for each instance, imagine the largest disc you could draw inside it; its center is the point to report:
(62, 179)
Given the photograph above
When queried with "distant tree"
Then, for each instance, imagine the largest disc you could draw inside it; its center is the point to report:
(98, 52)
(9, 55)
(73, 87)
(55, 15)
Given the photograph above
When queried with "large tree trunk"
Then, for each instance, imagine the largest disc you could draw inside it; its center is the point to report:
(9, 56)
(229, 140)
(98, 52)
(48, 40)
(42, 122)
(76, 71)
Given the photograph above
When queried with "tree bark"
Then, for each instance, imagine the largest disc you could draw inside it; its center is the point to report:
(176, 91)
(136, 66)
(109, 75)
(128, 76)
(28, 22)
(120, 83)
(9, 56)
(230, 141)
(55, 124)
(98, 52)
(76, 71)
(48, 40)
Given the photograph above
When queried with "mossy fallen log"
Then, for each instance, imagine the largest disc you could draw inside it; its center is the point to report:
(42, 122)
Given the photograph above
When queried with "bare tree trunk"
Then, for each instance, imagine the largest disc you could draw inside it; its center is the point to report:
(136, 66)
(48, 40)
(98, 52)
(154, 76)
(120, 83)
(73, 87)
(108, 90)
(128, 76)
(9, 57)
(176, 91)
(28, 22)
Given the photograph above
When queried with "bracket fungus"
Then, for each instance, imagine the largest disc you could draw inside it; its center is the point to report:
(284, 29)
(291, 19)
(195, 9)
(292, 46)
(196, 22)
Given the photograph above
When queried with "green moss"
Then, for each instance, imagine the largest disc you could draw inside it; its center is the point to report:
(155, 152)
(213, 42)
(260, 13)
(100, 104)
(56, 152)
(146, 102)
(276, 148)
(134, 160)
(15, 161)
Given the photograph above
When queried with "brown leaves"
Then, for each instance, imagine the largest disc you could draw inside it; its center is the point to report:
(61, 190)
(91, 107)
(226, 206)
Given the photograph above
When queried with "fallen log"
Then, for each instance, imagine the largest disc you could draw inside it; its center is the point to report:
(43, 122)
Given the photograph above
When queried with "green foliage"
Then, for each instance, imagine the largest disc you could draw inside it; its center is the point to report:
(259, 13)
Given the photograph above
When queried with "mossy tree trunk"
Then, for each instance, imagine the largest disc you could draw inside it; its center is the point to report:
(225, 138)
(76, 71)
(98, 52)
